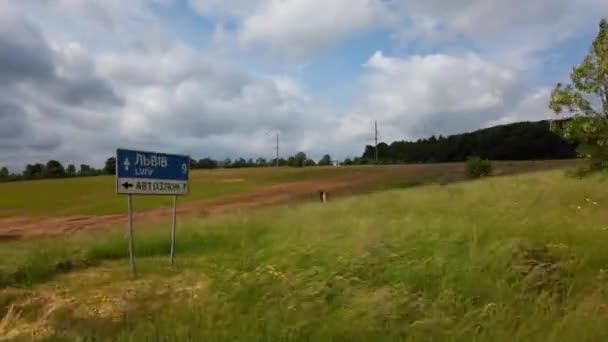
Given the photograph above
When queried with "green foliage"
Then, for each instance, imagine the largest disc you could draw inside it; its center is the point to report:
(206, 163)
(477, 167)
(71, 170)
(586, 99)
(297, 160)
(4, 173)
(517, 141)
(444, 267)
(325, 160)
(54, 169)
(110, 166)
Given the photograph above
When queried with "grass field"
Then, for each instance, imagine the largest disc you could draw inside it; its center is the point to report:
(516, 258)
(97, 195)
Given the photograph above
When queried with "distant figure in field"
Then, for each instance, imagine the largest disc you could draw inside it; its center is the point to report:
(323, 196)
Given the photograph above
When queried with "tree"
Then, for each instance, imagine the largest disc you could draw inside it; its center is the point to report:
(587, 100)
(207, 163)
(348, 161)
(110, 166)
(299, 159)
(4, 173)
(54, 169)
(261, 162)
(193, 164)
(85, 170)
(71, 170)
(34, 171)
(238, 163)
(309, 162)
(326, 160)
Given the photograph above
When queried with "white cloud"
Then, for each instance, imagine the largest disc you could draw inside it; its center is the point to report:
(225, 8)
(80, 77)
(59, 101)
(297, 27)
(294, 29)
(531, 108)
(436, 83)
(430, 94)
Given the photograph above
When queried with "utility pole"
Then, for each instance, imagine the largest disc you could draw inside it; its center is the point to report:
(376, 138)
(277, 148)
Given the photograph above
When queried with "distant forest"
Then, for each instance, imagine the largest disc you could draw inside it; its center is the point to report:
(518, 141)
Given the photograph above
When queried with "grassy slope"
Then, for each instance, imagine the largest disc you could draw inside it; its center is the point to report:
(509, 258)
(97, 195)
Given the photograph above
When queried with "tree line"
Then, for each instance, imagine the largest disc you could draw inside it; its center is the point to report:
(54, 169)
(517, 141)
(299, 159)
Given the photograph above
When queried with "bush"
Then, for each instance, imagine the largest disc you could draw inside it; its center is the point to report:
(477, 167)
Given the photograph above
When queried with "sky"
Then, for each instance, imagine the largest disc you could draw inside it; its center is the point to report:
(221, 78)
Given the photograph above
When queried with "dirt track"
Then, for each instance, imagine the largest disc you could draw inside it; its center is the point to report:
(24, 227)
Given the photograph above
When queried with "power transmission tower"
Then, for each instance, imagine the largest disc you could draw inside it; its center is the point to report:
(277, 148)
(376, 138)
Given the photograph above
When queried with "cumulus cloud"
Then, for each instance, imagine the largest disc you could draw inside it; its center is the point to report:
(533, 107)
(430, 94)
(80, 77)
(60, 102)
(298, 27)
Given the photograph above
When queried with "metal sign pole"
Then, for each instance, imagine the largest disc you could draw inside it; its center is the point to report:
(173, 230)
(131, 254)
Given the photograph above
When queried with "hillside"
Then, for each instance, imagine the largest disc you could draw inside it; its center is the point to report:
(517, 141)
(508, 258)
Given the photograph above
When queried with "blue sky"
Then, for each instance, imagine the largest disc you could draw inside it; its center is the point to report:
(219, 78)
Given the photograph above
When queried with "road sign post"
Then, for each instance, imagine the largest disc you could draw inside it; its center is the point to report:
(151, 173)
(131, 251)
(173, 229)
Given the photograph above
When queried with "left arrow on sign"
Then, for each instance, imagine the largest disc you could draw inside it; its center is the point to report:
(127, 185)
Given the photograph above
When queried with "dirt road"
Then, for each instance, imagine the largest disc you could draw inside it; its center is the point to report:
(23, 227)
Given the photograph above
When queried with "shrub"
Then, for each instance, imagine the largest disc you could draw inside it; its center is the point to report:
(477, 167)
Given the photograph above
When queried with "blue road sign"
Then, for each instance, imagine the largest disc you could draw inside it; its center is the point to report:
(151, 173)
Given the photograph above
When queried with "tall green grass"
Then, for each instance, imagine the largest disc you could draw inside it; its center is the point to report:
(518, 258)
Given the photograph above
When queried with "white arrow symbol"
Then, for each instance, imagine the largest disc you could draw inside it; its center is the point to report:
(126, 164)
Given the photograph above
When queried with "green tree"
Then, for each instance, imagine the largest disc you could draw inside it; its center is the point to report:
(34, 171)
(110, 166)
(71, 170)
(587, 100)
(261, 162)
(85, 170)
(207, 163)
(4, 173)
(300, 159)
(309, 162)
(54, 169)
(477, 167)
(326, 160)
